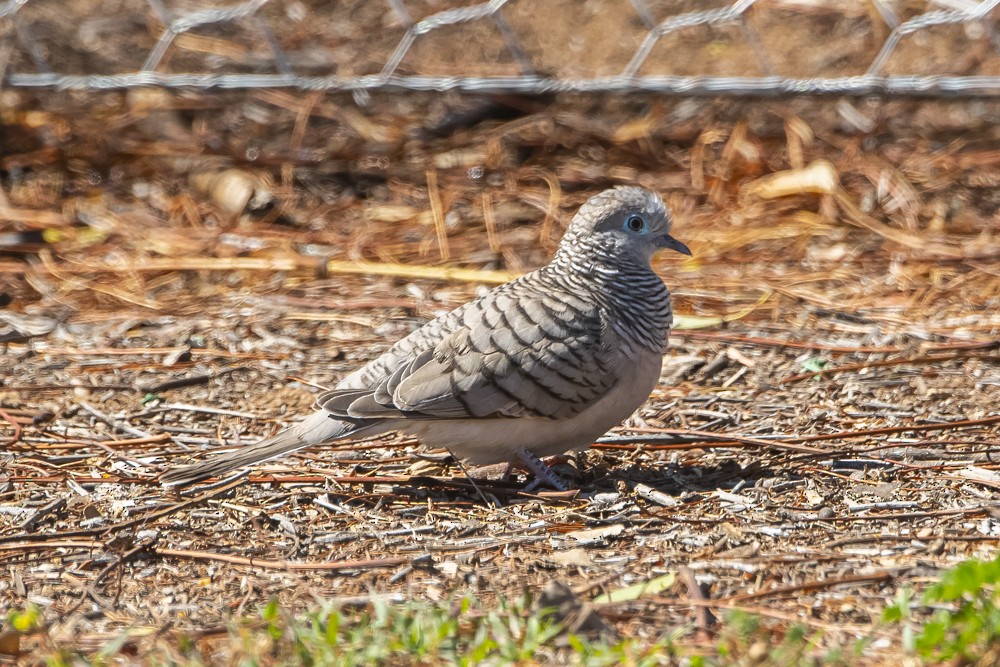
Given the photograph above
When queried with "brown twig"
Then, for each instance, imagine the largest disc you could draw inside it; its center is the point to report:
(287, 263)
(51, 544)
(703, 617)
(826, 347)
(886, 430)
(718, 439)
(78, 444)
(121, 559)
(156, 387)
(139, 351)
(809, 586)
(925, 359)
(17, 429)
(297, 566)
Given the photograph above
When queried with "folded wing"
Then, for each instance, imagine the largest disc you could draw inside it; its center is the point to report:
(519, 354)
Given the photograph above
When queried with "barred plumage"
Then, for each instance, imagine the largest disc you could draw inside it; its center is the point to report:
(538, 366)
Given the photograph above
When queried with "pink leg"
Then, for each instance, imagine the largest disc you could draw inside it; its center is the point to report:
(541, 471)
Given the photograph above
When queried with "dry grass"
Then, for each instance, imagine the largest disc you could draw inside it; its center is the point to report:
(169, 295)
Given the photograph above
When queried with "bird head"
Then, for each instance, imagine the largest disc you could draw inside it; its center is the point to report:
(625, 222)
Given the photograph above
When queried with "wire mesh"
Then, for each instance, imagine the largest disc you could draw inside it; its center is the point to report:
(747, 47)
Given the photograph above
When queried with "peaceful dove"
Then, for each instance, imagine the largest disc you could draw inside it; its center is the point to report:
(539, 366)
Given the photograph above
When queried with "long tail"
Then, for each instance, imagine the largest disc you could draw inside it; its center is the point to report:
(316, 429)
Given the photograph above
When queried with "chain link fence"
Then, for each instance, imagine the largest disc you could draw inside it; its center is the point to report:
(682, 47)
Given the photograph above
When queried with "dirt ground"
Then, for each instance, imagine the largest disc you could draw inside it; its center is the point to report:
(807, 460)
(182, 272)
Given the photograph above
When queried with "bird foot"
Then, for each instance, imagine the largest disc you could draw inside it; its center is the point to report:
(541, 471)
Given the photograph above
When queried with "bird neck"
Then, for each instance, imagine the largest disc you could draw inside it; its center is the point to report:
(589, 257)
(634, 299)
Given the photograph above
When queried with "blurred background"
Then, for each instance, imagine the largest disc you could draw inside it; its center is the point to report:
(142, 140)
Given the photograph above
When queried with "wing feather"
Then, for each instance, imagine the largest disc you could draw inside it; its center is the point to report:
(500, 362)
(526, 350)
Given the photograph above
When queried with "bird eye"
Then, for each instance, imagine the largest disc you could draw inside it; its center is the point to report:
(635, 223)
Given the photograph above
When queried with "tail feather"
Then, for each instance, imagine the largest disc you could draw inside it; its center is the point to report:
(318, 428)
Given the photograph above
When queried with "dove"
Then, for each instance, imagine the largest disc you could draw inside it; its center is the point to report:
(539, 366)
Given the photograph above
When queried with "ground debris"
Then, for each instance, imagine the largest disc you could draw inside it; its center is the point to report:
(824, 433)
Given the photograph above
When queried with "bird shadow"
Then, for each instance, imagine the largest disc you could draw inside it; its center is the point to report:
(679, 480)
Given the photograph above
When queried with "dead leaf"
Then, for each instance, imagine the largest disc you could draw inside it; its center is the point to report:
(591, 534)
(636, 591)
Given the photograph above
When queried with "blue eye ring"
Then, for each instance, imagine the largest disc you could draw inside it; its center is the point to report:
(635, 223)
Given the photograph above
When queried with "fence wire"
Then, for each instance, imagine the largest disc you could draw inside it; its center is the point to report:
(747, 47)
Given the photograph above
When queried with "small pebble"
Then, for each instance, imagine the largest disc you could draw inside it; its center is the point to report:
(825, 513)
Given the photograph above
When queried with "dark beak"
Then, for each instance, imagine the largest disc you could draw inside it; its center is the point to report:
(668, 241)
